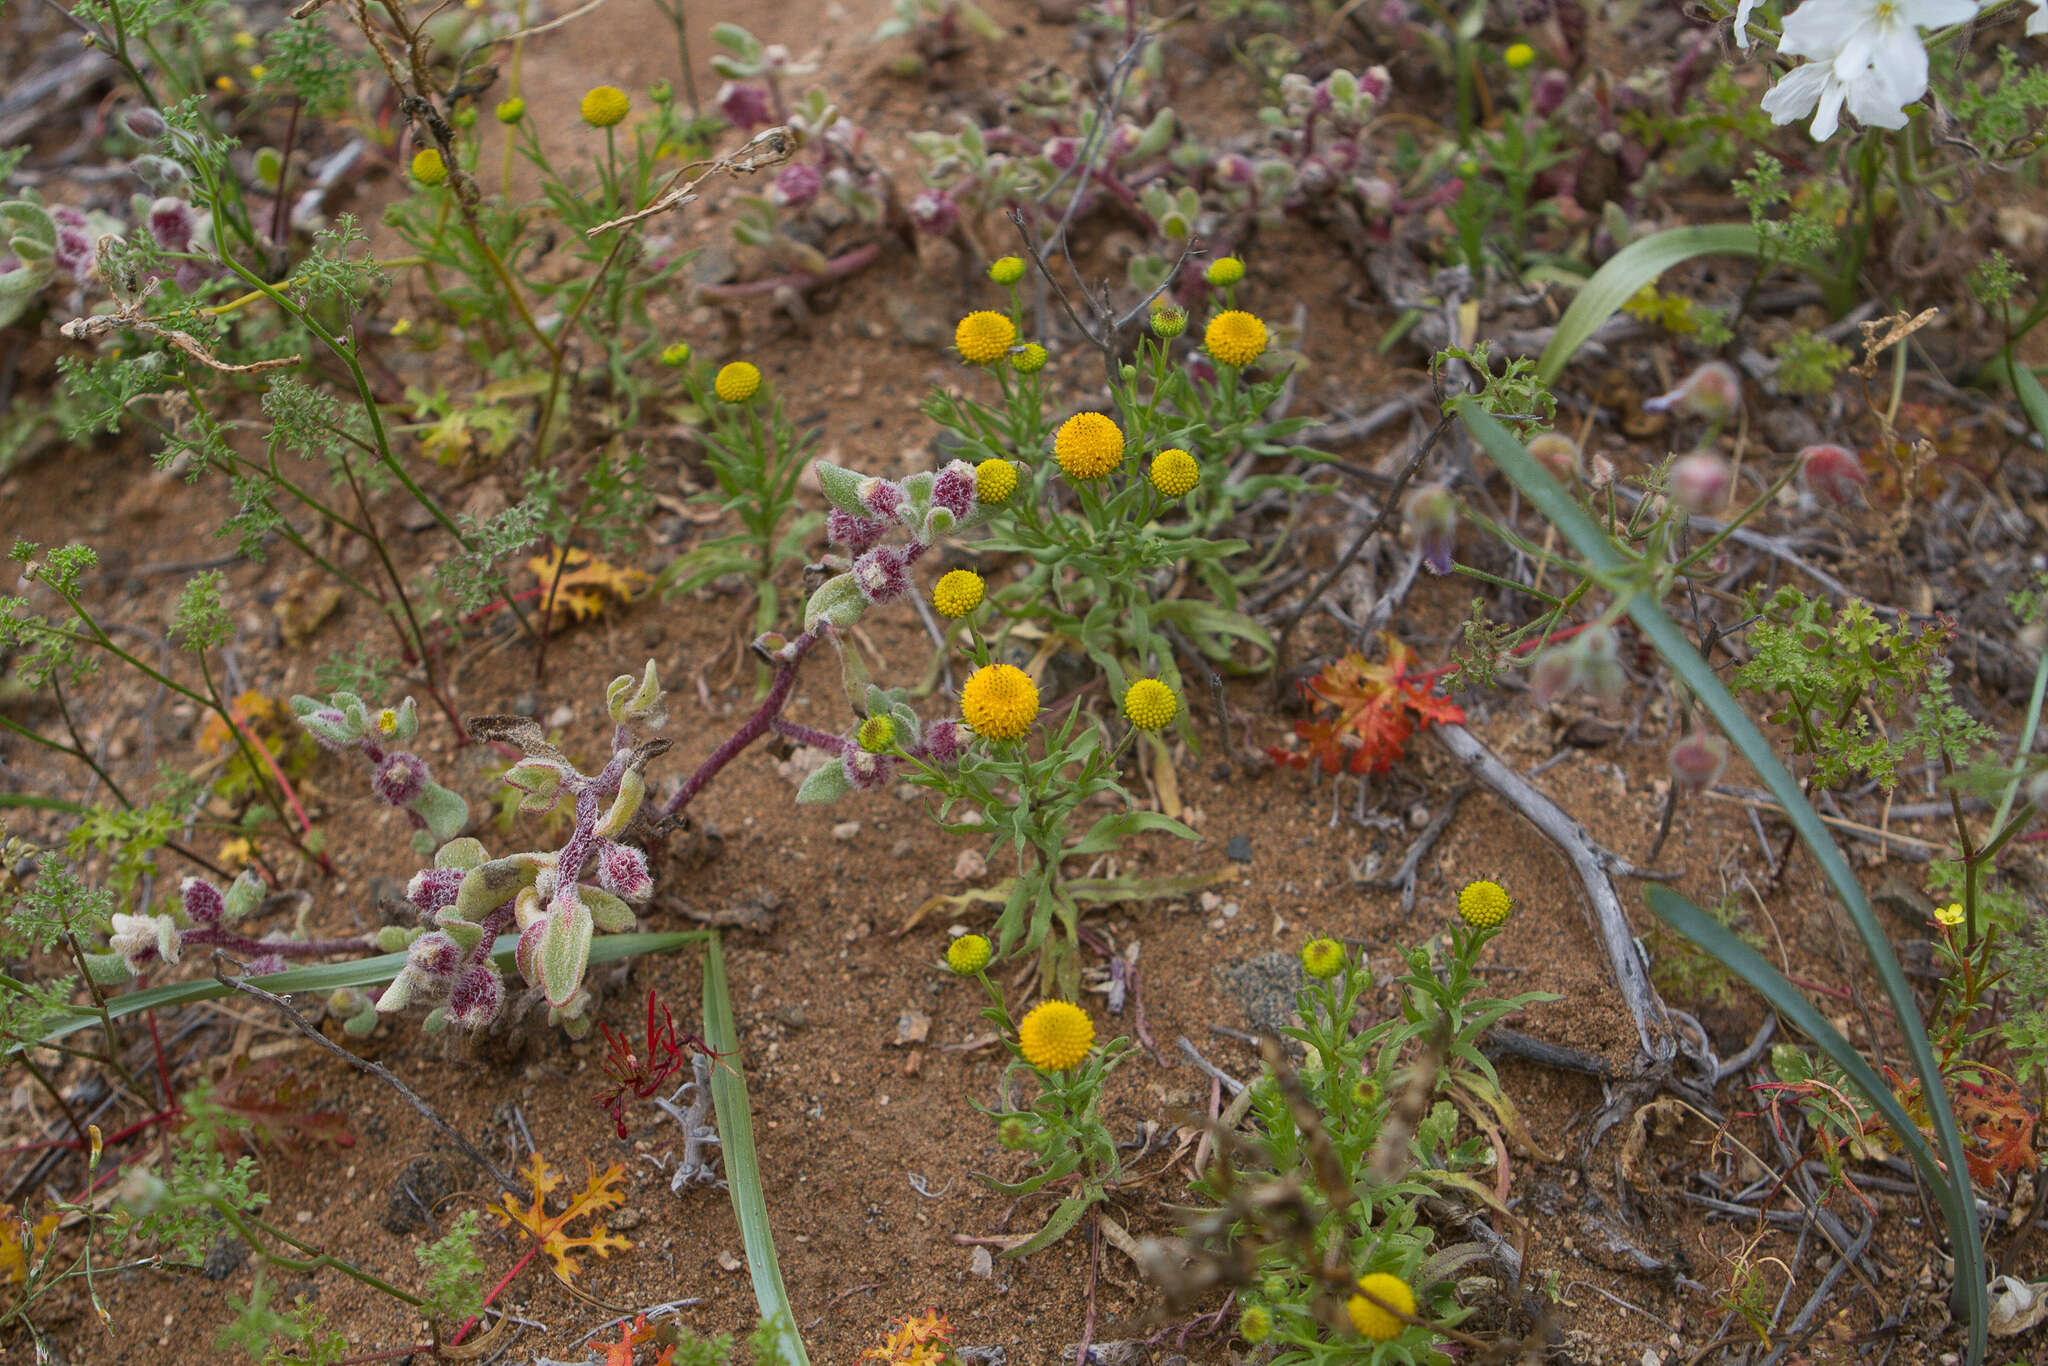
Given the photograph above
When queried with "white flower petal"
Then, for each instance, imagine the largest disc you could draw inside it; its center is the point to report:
(1795, 95)
(1742, 13)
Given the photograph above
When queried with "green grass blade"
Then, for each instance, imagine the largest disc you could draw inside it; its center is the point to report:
(1626, 272)
(2033, 398)
(360, 972)
(742, 1163)
(1585, 535)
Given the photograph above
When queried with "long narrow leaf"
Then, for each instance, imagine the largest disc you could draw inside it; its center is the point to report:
(1636, 265)
(2033, 399)
(1951, 1186)
(360, 972)
(742, 1163)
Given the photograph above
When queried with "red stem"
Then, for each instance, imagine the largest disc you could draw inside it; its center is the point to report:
(838, 268)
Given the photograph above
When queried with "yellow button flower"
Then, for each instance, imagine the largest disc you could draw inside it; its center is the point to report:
(1174, 472)
(999, 701)
(1224, 270)
(428, 168)
(1088, 446)
(995, 479)
(1150, 704)
(876, 734)
(1322, 958)
(1370, 1319)
(512, 110)
(737, 382)
(605, 105)
(1006, 270)
(1055, 1035)
(968, 954)
(1483, 905)
(957, 593)
(1235, 338)
(983, 338)
(1028, 359)
(1519, 55)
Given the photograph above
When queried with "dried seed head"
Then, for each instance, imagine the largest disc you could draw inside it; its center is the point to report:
(1714, 392)
(1697, 761)
(401, 777)
(1699, 482)
(1557, 453)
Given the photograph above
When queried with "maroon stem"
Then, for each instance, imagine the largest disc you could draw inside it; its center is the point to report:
(839, 267)
(755, 727)
(810, 736)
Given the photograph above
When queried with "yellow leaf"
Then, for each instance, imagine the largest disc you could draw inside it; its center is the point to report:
(585, 583)
(600, 1193)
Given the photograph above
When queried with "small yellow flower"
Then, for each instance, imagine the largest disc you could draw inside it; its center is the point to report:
(512, 110)
(1088, 446)
(428, 168)
(957, 593)
(676, 354)
(1055, 1035)
(984, 337)
(244, 39)
(1224, 270)
(968, 954)
(1028, 359)
(401, 327)
(235, 853)
(258, 72)
(1370, 1319)
(1519, 55)
(877, 734)
(999, 701)
(1150, 704)
(1006, 270)
(1322, 958)
(605, 105)
(224, 84)
(737, 382)
(1235, 338)
(387, 721)
(995, 479)
(1174, 471)
(1950, 915)
(1483, 905)
(1169, 321)
(1255, 1324)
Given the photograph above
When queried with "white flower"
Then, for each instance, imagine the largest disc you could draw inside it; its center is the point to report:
(1742, 13)
(1866, 56)
(136, 936)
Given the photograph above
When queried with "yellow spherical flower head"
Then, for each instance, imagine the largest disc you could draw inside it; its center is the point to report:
(1484, 905)
(737, 382)
(968, 954)
(1255, 1325)
(877, 734)
(1028, 359)
(428, 168)
(1370, 1319)
(605, 105)
(995, 479)
(999, 701)
(957, 593)
(1055, 1035)
(1235, 338)
(1322, 958)
(1006, 270)
(1174, 472)
(512, 110)
(1088, 446)
(1224, 270)
(1150, 704)
(983, 338)
(1519, 55)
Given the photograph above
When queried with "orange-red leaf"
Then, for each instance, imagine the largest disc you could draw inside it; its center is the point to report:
(1378, 707)
(599, 1193)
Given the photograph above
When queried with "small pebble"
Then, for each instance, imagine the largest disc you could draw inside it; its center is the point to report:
(846, 830)
(1238, 849)
(561, 716)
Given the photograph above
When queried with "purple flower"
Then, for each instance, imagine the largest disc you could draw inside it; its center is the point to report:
(796, 187)
(1234, 168)
(1551, 90)
(476, 997)
(74, 251)
(622, 871)
(855, 533)
(67, 216)
(172, 223)
(933, 213)
(204, 905)
(1374, 83)
(434, 955)
(1061, 152)
(881, 574)
(744, 106)
(402, 777)
(882, 498)
(433, 888)
(1696, 762)
(867, 771)
(944, 742)
(953, 490)
(1433, 520)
